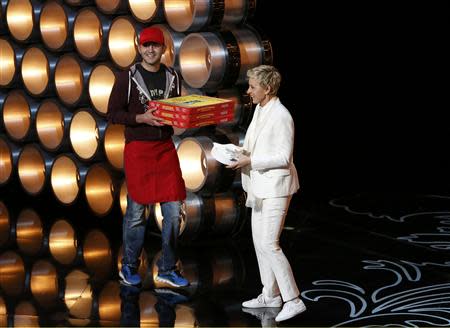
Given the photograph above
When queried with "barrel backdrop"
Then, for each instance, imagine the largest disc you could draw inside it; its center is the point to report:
(59, 61)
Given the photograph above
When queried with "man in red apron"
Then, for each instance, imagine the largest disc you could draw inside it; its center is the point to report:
(152, 168)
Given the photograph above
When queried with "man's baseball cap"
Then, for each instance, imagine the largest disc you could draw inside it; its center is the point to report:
(151, 34)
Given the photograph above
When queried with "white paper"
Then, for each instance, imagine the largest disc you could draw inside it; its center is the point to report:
(226, 154)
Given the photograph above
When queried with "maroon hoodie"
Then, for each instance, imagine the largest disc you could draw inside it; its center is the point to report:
(124, 104)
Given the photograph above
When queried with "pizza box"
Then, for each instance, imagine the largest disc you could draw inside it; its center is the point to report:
(197, 123)
(210, 115)
(193, 104)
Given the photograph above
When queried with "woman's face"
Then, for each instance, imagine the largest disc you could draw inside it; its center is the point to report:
(257, 92)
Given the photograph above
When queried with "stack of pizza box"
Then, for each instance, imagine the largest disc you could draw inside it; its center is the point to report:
(193, 111)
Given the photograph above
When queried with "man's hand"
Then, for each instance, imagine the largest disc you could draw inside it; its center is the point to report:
(149, 118)
(242, 161)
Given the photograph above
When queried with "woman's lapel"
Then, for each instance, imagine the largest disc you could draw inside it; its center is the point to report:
(268, 118)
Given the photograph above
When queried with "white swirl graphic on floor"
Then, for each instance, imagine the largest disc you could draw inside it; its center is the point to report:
(344, 204)
(423, 305)
(437, 238)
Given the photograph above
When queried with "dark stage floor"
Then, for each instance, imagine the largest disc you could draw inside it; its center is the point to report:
(360, 260)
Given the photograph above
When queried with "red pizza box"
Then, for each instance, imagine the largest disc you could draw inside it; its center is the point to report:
(198, 123)
(193, 104)
(209, 115)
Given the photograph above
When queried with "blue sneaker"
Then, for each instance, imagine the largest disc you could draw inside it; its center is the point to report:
(129, 275)
(173, 278)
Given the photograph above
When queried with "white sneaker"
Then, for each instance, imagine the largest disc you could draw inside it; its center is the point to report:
(291, 309)
(262, 302)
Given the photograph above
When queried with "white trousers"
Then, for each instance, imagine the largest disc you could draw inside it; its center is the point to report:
(275, 270)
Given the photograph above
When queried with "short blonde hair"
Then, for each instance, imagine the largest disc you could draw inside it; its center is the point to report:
(267, 76)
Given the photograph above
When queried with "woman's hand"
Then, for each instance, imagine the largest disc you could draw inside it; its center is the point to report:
(242, 161)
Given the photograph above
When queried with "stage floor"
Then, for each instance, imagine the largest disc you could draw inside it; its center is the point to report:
(359, 260)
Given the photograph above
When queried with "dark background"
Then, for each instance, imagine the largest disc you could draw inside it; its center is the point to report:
(367, 85)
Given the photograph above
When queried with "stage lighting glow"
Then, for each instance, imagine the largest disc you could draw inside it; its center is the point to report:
(101, 82)
(29, 232)
(87, 33)
(25, 315)
(35, 71)
(99, 190)
(16, 115)
(7, 62)
(68, 80)
(251, 51)
(53, 25)
(78, 295)
(114, 144)
(109, 303)
(122, 42)
(44, 283)
(148, 315)
(97, 254)
(50, 125)
(3, 313)
(19, 17)
(144, 10)
(192, 164)
(62, 242)
(12, 273)
(226, 213)
(6, 164)
(123, 197)
(31, 168)
(5, 224)
(64, 179)
(84, 134)
(188, 15)
(203, 60)
(180, 13)
(108, 6)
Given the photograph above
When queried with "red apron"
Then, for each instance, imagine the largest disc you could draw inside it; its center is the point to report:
(153, 172)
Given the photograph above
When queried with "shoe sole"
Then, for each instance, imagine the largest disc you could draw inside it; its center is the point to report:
(169, 282)
(126, 282)
(261, 307)
(293, 315)
(166, 291)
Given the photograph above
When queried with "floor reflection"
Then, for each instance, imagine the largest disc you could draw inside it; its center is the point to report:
(265, 315)
(159, 308)
(59, 267)
(58, 270)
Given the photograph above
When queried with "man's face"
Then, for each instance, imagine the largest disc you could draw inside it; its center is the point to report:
(151, 52)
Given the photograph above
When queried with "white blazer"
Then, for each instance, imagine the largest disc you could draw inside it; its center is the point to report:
(272, 172)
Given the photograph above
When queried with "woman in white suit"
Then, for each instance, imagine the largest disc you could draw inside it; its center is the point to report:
(269, 177)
